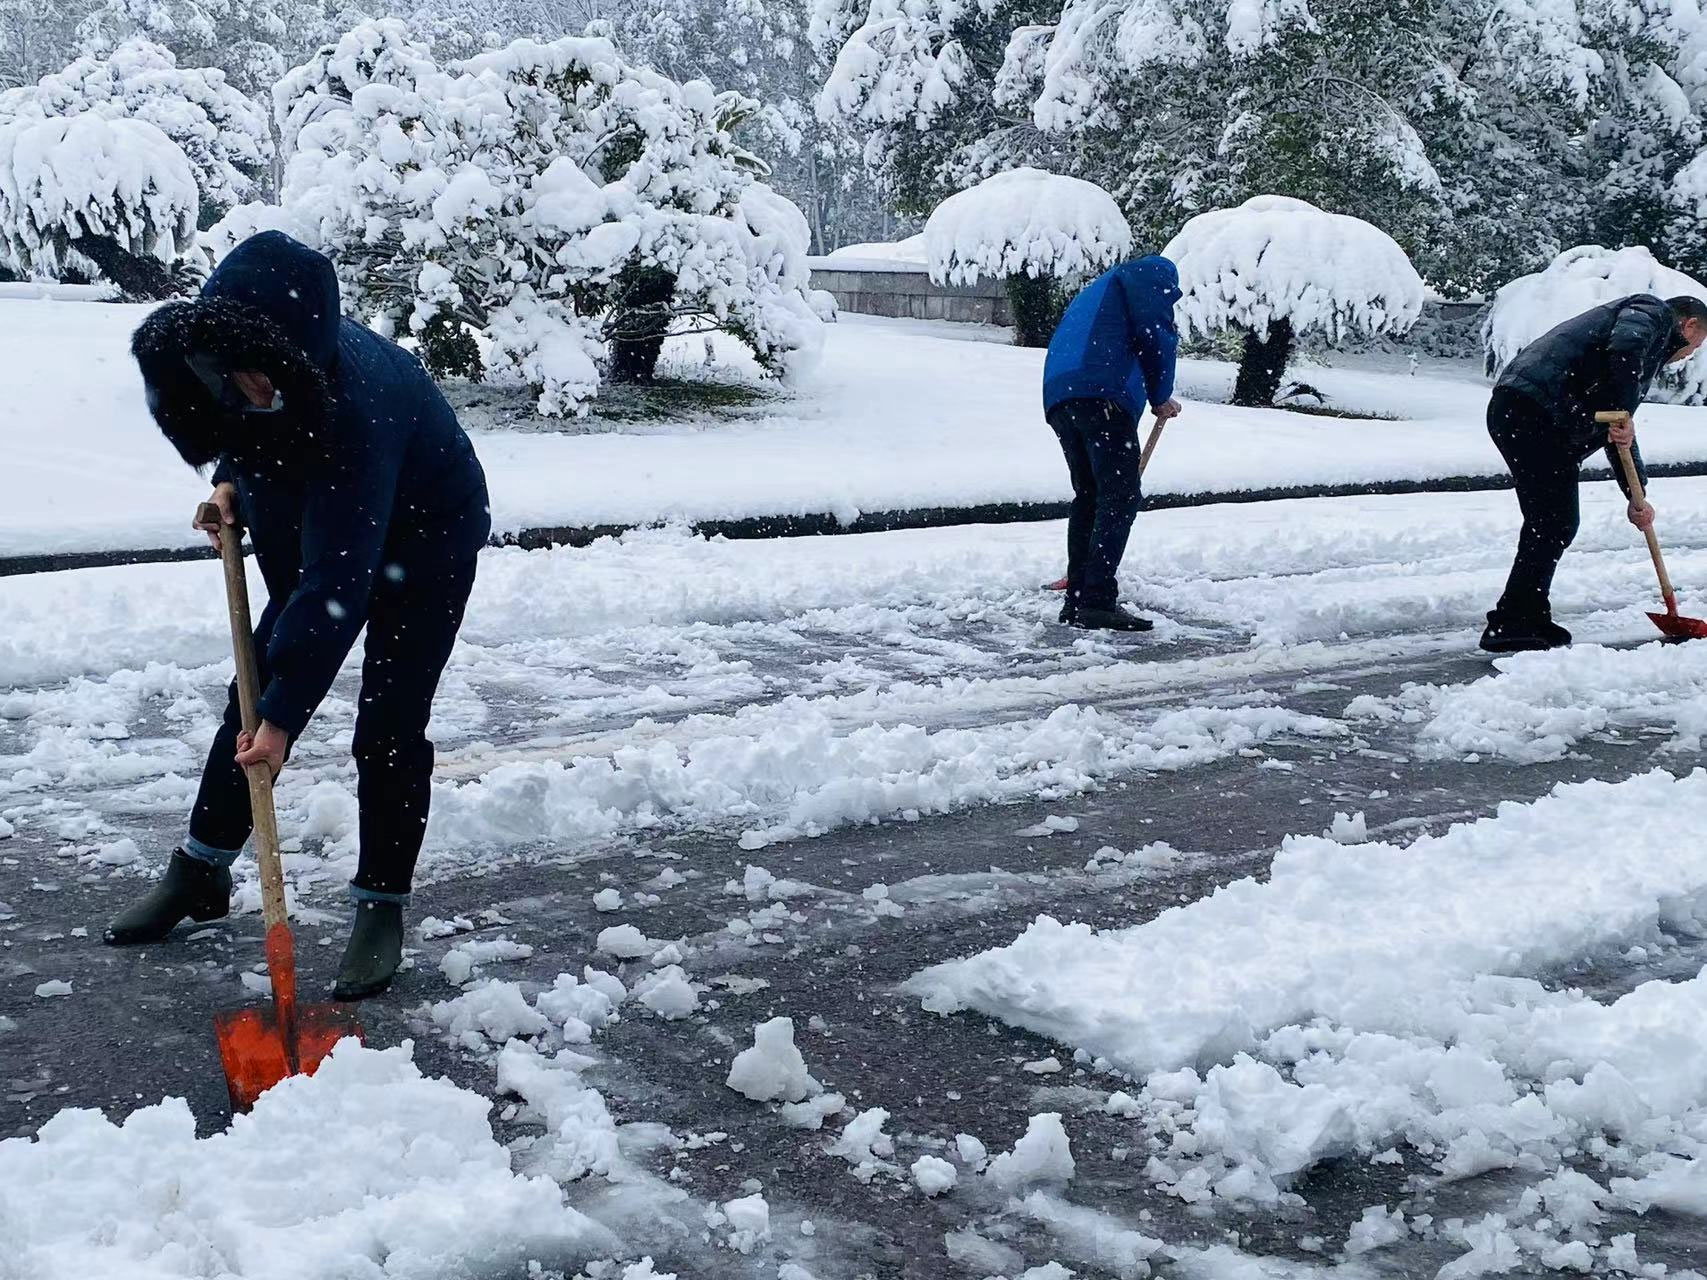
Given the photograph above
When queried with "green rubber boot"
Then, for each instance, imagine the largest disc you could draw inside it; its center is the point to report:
(374, 952)
(191, 889)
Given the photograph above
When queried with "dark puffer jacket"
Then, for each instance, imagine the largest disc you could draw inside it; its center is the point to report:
(1606, 358)
(364, 472)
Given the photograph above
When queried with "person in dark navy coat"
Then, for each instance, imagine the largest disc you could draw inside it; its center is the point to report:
(366, 506)
(1541, 418)
(1113, 352)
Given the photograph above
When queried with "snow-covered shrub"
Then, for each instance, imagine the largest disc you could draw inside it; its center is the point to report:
(85, 196)
(1276, 268)
(252, 41)
(550, 195)
(221, 131)
(1577, 280)
(1041, 233)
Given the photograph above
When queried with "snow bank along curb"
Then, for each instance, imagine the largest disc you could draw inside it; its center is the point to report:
(825, 523)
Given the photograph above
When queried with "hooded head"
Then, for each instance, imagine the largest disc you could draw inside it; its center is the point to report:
(272, 307)
(1160, 276)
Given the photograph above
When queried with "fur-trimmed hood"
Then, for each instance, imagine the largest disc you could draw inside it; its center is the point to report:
(272, 306)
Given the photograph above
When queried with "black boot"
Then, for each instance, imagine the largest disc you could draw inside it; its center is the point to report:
(1069, 612)
(190, 888)
(374, 951)
(1113, 618)
(1518, 635)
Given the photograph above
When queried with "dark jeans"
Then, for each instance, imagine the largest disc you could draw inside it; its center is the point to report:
(1547, 472)
(1101, 443)
(412, 625)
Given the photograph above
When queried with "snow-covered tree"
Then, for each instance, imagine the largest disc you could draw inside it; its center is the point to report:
(918, 78)
(1040, 233)
(222, 132)
(1422, 116)
(1276, 268)
(83, 196)
(551, 195)
(252, 41)
(1577, 280)
(36, 37)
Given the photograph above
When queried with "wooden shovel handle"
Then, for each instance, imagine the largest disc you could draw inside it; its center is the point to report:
(259, 777)
(1150, 445)
(1634, 481)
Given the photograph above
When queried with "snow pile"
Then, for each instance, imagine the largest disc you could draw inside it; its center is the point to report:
(491, 1011)
(1367, 996)
(864, 1145)
(668, 993)
(1540, 706)
(933, 1175)
(1276, 258)
(65, 178)
(461, 961)
(805, 774)
(1042, 1154)
(388, 1172)
(773, 1069)
(1206, 980)
(1577, 280)
(1026, 223)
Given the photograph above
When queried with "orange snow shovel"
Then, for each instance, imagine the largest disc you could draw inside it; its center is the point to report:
(260, 1047)
(1671, 623)
(1150, 444)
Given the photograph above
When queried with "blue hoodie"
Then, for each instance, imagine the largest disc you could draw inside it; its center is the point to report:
(364, 472)
(1117, 339)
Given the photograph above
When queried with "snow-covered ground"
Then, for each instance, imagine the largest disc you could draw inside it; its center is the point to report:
(900, 415)
(689, 787)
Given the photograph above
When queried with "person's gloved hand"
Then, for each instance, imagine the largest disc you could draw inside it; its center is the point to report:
(1641, 514)
(224, 496)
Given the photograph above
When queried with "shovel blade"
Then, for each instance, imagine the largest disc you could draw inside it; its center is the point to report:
(1674, 626)
(257, 1052)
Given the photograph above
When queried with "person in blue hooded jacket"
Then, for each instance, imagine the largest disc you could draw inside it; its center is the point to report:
(1113, 352)
(366, 506)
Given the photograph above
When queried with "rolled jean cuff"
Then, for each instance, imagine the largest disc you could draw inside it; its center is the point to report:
(359, 894)
(207, 853)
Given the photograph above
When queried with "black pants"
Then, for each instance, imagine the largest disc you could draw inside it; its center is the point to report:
(1101, 443)
(412, 625)
(1547, 472)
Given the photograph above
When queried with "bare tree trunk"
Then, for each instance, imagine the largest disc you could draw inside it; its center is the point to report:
(142, 278)
(1263, 365)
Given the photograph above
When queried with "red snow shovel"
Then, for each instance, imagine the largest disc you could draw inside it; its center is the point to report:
(1060, 584)
(1671, 623)
(260, 1047)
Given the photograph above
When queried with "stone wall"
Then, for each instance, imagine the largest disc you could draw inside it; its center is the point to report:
(910, 294)
(1452, 329)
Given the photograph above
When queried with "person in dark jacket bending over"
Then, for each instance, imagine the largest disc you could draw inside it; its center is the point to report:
(1113, 352)
(1541, 418)
(366, 505)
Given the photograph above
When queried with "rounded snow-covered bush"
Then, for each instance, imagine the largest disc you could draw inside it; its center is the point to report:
(222, 132)
(1276, 268)
(82, 195)
(1572, 283)
(1041, 232)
